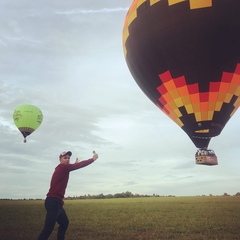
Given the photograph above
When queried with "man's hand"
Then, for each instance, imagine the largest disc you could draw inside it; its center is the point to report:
(95, 156)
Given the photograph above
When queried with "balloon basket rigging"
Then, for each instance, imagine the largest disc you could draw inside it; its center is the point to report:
(206, 156)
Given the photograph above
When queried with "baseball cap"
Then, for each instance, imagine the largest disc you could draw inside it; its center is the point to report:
(65, 153)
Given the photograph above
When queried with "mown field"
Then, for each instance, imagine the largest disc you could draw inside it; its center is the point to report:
(180, 218)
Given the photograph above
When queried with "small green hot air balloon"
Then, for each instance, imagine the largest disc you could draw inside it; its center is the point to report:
(27, 118)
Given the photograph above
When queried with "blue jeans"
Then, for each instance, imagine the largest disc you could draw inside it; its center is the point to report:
(55, 213)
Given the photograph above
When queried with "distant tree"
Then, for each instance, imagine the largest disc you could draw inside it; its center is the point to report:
(226, 194)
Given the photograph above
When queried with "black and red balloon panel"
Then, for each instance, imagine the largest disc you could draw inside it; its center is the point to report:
(176, 93)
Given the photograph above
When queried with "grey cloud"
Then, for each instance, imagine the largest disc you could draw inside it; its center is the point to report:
(66, 57)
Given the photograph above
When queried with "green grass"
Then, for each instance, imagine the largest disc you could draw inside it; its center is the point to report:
(180, 218)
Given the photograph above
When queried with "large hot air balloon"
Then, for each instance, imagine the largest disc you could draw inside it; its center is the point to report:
(185, 56)
(27, 118)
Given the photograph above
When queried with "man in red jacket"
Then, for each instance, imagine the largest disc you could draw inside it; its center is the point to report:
(54, 201)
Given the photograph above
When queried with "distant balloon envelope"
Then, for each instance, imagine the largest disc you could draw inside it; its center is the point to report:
(185, 56)
(27, 119)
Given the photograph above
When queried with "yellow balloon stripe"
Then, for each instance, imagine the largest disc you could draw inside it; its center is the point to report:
(132, 12)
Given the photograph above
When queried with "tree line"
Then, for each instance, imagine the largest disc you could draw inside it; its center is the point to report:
(116, 195)
(119, 195)
(130, 195)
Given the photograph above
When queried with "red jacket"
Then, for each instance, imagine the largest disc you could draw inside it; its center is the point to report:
(60, 178)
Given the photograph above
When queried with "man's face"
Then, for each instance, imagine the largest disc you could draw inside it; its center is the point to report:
(65, 159)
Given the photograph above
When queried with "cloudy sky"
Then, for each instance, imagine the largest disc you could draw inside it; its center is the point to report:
(66, 57)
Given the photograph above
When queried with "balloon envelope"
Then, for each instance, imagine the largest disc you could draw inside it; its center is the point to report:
(27, 118)
(185, 56)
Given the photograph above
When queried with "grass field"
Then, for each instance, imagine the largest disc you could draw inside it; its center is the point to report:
(180, 218)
